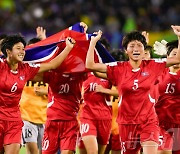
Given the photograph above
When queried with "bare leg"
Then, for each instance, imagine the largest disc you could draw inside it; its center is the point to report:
(150, 147)
(31, 148)
(82, 151)
(91, 144)
(12, 148)
(101, 149)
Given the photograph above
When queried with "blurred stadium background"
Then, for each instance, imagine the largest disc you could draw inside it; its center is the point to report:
(113, 17)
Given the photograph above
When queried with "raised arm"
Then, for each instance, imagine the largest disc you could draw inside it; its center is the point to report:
(90, 63)
(41, 33)
(53, 64)
(146, 35)
(175, 60)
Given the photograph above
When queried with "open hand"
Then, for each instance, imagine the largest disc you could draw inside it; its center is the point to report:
(41, 33)
(160, 47)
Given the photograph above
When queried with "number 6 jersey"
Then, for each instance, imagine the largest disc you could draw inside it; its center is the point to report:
(11, 86)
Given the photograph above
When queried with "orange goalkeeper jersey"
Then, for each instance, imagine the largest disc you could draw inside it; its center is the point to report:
(115, 128)
(33, 107)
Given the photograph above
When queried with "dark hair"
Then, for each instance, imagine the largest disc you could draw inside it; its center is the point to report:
(106, 43)
(132, 36)
(34, 40)
(150, 49)
(10, 41)
(171, 45)
(3, 36)
(119, 55)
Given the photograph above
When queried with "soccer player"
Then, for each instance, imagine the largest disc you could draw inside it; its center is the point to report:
(96, 114)
(148, 52)
(61, 127)
(14, 75)
(168, 105)
(138, 123)
(33, 107)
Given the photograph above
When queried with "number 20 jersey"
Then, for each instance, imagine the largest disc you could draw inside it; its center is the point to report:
(64, 95)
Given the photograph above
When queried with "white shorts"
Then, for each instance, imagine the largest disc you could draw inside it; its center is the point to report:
(32, 132)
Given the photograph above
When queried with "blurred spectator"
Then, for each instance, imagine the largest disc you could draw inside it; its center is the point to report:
(112, 16)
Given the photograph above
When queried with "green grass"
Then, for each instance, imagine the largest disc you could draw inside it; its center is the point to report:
(23, 150)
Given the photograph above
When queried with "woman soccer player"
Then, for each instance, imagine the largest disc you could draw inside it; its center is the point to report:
(138, 124)
(14, 75)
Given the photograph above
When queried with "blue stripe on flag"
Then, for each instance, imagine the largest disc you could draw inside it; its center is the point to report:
(104, 54)
(40, 52)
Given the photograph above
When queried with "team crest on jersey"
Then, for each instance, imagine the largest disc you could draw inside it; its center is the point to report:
(22, 77)
(144, 73)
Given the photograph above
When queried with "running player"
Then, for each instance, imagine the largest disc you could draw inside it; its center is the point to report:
(33, 107)
(96, 114)
(14, 75)
(138, 124)
(168, 107)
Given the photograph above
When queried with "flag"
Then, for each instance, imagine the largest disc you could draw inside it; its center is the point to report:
(50, 47)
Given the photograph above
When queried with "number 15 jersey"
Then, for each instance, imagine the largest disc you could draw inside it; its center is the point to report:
(168, 105)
